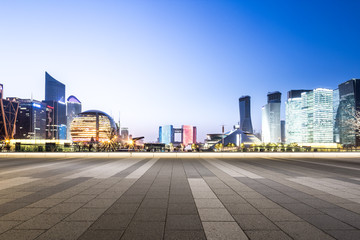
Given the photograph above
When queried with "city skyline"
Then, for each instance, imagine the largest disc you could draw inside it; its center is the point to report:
(156, 67)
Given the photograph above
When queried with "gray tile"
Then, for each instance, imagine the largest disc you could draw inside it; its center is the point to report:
(223, 230)
(102, 235)
(6, 225)
(65, 230)
(150, 215)
(112, 222)
(215, 215)
(21, 234)
(345, 234)
(183, 222)
(267, 235)
(184, 235)
(182, 209)
(277, 214)
(254, 222)
(42, 221)
(303, 230)
(144, 230)
(241, 208)
(325, 222)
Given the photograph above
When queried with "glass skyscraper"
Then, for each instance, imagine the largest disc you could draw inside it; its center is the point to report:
(336, 102)
(317, 116)
(55, 98)
(271, 126)
(31, 120)
(349, 104)
(73, 108)
(245, 114)
(293, 113)
(166, 134)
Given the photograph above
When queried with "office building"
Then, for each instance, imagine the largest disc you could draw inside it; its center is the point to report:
(283, 131)
(271, 126)
(93, 124)
(245, 114)
(317, 116)
(55, 98)
(293, 113)
(73, 108)
(349, 104)
(31, 120)
(8, 116)
(124, 133)
(188, 135)
(166, 134)
(336, 102)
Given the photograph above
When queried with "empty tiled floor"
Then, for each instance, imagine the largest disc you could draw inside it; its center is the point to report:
(163, 198)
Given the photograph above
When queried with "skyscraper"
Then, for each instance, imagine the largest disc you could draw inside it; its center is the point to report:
(73, 108)
(8, 115)
(188, 135)
(349, 104)
(245, 114)
(271, 126)
(31, 120)
(166, 134)
(55, 98)
(317, 116)
(293, 111)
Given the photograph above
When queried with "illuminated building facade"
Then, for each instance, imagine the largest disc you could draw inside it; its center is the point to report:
(31, 120)
(293, 113)
(245, 114)
(188, 135)
(92, 124)
(73, 108)
(317, 116)
(8, 115)
(55, 98)
(349, 104)
(271, 126)
(167, 134)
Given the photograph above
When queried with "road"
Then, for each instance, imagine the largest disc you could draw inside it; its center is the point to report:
(160, 198)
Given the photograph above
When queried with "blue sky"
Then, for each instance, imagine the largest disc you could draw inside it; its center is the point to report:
(177, 62)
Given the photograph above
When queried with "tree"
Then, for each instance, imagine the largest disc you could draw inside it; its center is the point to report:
(218, 146)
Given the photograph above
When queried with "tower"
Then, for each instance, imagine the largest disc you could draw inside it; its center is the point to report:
(245, 115)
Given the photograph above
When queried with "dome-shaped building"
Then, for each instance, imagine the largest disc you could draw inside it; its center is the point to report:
(92, 124)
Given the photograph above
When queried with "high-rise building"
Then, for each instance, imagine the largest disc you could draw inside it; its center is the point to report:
(349, 104)
(124, 133)
(188, 135)
(73, 108)
(293, 113)
(283, 131)
(245, 114)
(31, 120)
(8, 115)
(55, 98)
(166, 134)
(336, 102)
(317, 116)
(271, 126)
